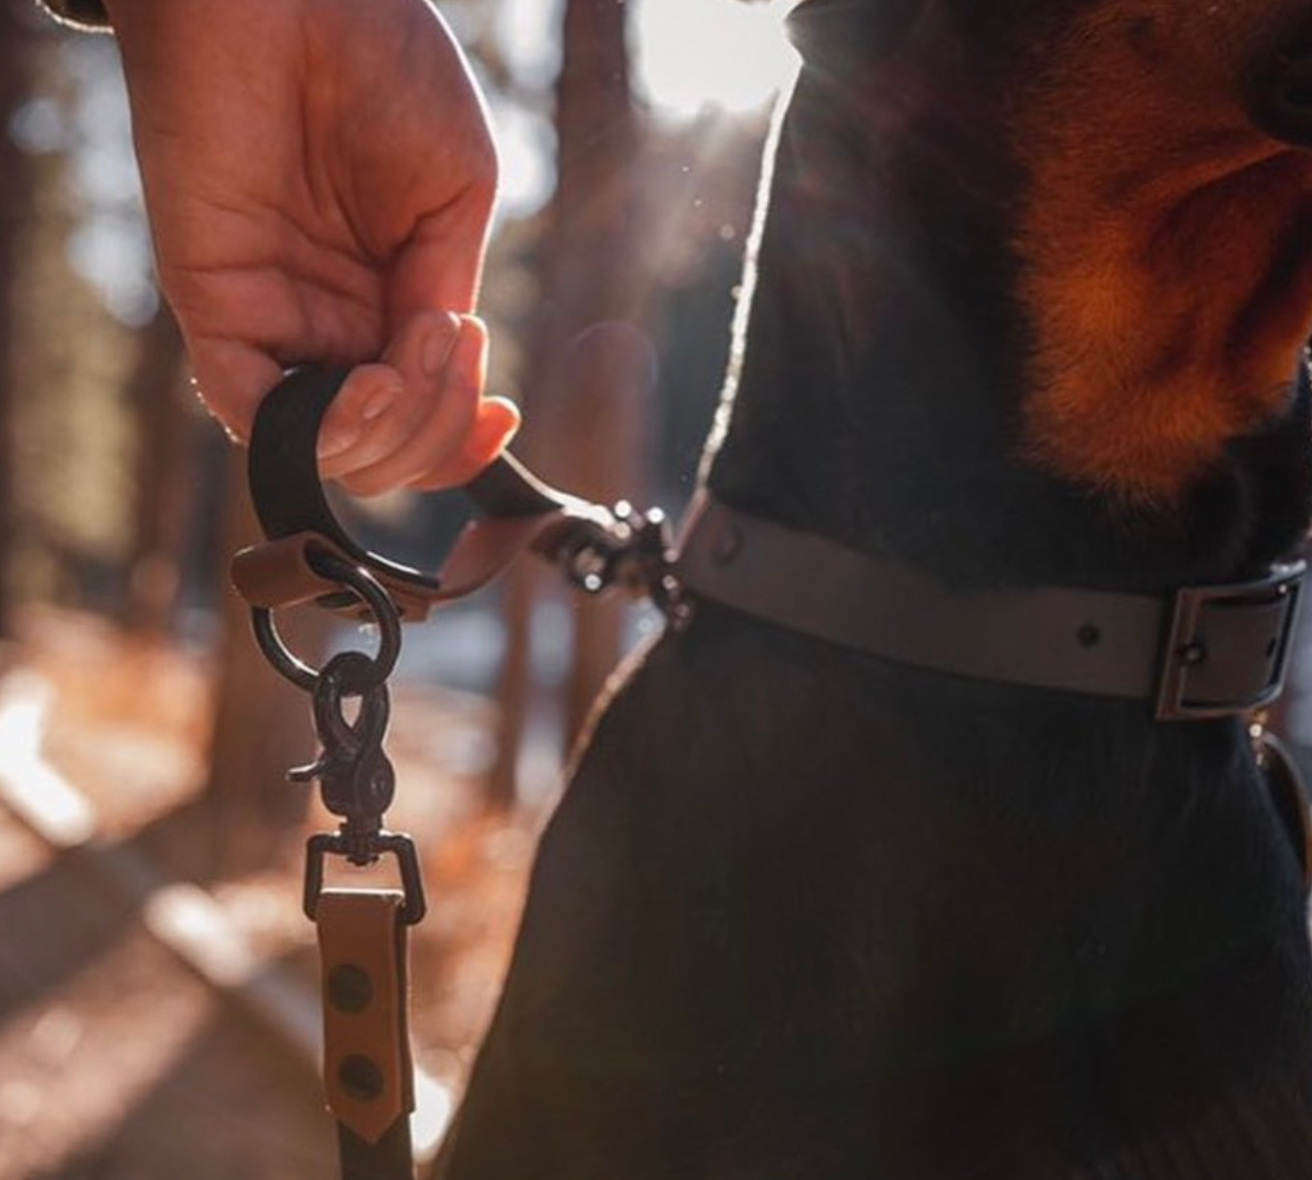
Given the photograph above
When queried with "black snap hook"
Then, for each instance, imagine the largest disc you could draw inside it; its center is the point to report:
(348, 675)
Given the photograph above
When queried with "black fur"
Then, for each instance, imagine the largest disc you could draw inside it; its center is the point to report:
(804, 915)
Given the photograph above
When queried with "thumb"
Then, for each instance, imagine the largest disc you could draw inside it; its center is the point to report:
(441, 264)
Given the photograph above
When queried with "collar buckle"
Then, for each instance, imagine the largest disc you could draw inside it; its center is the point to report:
(1228, 647)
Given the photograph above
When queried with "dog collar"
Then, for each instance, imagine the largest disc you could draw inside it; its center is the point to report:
(1206, 651)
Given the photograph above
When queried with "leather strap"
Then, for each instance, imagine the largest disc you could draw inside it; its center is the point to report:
(391, 1158)
(1212, 651)
(367, 1070)
(511, 511)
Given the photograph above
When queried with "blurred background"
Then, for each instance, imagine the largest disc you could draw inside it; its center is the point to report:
(158, 1004)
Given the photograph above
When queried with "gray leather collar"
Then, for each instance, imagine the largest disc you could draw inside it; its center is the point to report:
(1208, 651)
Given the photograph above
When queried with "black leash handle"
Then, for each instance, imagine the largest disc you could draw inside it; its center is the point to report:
(290, 501)
(512, 509)
(289, 497)
(283, 470)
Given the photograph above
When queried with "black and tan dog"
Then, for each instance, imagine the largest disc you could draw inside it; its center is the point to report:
(1032, 291)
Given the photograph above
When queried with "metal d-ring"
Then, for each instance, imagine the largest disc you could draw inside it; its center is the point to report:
(361, 583)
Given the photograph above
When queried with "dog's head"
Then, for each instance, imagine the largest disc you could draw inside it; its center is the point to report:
(1149, 159)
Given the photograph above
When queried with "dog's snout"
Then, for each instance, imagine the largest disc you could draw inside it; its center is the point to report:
(1281, 95)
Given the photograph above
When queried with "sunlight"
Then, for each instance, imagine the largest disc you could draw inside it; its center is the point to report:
(720, 54)
(29, 786)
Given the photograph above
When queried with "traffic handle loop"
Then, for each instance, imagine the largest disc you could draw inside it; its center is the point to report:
(511, 511)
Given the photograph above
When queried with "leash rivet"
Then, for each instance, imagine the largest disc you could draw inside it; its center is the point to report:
(1089, 635)
(1194, 653)
(727, 545)
(349, 988)
(361, 1078)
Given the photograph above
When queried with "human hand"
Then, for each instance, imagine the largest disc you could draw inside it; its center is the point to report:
(319, 177)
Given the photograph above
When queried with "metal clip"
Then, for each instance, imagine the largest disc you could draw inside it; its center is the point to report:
(629, 549)
(326, 844)
(355, 775)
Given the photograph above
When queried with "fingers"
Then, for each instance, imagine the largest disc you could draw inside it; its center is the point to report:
(440, 266)
(418, 418)
(496, 424)
(379, 408)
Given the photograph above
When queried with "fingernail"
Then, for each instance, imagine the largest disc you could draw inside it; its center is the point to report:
(438, 346)
(378, 404)
(513, 417)
(337, 441)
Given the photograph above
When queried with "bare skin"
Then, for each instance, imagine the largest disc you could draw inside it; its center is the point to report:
(319, 176)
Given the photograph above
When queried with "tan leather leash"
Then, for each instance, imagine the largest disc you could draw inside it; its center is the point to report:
(363, 933)
(309, 557)
(368, 1073)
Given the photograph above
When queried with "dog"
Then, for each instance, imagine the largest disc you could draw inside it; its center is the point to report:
(1031, 286)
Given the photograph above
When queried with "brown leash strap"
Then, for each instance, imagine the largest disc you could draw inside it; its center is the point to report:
(367, 1068)
(1210, 651)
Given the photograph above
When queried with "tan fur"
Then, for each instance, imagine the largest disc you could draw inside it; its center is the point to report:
(1166, 266)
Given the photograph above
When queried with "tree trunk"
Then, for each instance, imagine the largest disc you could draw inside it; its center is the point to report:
(166, 460)
(585, 407)
(16, 55)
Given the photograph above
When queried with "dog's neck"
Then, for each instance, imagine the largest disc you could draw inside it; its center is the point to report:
(887, 396)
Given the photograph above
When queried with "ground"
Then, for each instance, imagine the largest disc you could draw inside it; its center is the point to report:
(117, 1059)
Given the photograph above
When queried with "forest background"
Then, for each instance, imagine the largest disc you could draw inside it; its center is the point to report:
(149, 847)
(159, 1002)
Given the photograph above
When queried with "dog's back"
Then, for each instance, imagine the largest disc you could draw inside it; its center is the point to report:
(1030, 295)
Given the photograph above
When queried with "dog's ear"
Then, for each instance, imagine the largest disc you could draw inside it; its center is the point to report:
(838, 36)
